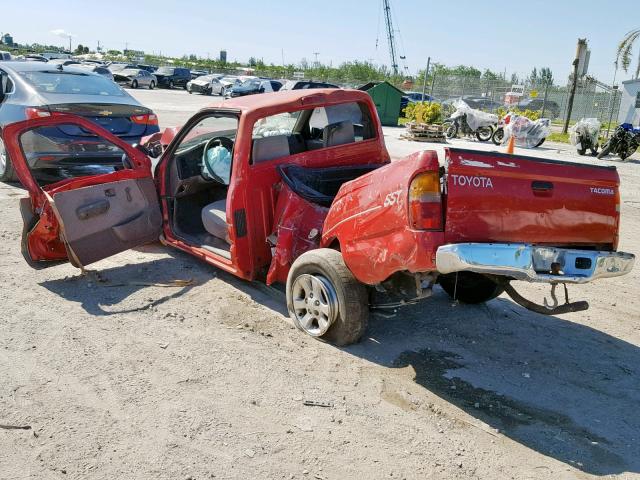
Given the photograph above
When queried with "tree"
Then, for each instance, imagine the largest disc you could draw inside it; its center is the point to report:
(546, 75)
(85, 49)
(515, 80)
(624, 51)
(533, 78)
(252, 61)
(79, 49)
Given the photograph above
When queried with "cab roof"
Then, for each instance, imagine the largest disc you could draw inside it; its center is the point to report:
(292, 100)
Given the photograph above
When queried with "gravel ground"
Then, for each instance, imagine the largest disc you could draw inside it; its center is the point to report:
(120, 380)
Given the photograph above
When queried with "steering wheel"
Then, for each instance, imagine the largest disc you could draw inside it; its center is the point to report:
(225, 142)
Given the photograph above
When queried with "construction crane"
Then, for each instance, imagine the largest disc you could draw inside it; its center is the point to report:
(390, 36)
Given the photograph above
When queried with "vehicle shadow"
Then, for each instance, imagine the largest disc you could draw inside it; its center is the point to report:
(561, 388)
(102, 292)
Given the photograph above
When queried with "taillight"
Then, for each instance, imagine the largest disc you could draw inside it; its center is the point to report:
(147, 119)
(425, 202)
(34, 113)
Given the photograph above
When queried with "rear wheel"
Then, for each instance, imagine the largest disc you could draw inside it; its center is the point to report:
(594, 150)
(484, 134)
(582, 148)
(325, 300)
(606, 148)
(627, 152)
(171, 84)
(134, 84)
(469, 287)
(539, 143)
(7, 174)
(498, 136)
(152, 85)
(450, 129)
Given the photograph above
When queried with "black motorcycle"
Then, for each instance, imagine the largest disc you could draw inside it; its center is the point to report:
(458, 124)
(624, 142)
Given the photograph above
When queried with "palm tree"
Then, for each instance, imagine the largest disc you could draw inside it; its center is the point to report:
(624, 51)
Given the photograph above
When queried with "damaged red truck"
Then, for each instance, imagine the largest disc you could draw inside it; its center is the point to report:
(297, 188)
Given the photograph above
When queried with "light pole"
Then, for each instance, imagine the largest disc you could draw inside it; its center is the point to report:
(614, 91)
(424, 83)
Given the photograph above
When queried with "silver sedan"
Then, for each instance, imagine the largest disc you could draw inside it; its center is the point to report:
(134, 78)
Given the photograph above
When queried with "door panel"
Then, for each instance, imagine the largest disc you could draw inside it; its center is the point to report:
(102, 220)
(85, 218)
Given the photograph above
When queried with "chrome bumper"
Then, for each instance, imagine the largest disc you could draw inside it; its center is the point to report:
(533, 263)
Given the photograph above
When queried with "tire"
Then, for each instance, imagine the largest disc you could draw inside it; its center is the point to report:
(450, 129)
(134, 84)
(594, 150)
(471, 287)
(7, 173)
(152, 85)
(627, 152)
(498, 136)
(484, 134)
(171, 84)
(539, 143)
(582, 150)
(606, 148)
(346, 297)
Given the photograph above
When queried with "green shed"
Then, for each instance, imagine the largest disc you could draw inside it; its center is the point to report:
(387, 99)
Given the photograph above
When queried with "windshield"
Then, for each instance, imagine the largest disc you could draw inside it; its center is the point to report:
(216, 125)
(250, 84)
(165, 71)
(71, 83)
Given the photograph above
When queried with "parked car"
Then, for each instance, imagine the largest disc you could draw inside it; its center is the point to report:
(33, 91)
(65, 62)
(5, 56)
(208, 85)
(410, 97)
(148, 68)
(116, 67)
(302, 187)
(198, 73)
(551, 109)
(95, 68)
(170, 77)
(34, 57)
(134, 78)
(305, 84)
(253, 86)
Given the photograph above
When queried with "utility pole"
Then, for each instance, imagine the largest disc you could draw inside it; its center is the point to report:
(614, 91)
(424, 83)
(316, 62)
(433, 81)
(582, 43)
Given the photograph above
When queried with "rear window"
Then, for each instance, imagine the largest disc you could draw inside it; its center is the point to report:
(71, 83)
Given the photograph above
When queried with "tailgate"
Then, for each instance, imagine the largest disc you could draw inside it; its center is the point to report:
(492, 197)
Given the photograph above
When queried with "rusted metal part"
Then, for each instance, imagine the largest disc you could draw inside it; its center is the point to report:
(542, 309)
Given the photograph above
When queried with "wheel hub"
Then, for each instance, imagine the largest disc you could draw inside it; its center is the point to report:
(315, 303)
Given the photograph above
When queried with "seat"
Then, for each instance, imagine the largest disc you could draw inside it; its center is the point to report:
(338, 133)
(268, 148)
(214, 219)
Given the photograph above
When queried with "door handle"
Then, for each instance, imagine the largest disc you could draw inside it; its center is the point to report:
(94, 209)
(539, 186)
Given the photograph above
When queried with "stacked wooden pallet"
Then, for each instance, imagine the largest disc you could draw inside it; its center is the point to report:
(423, 132)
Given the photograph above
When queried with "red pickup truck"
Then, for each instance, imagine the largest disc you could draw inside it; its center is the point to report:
(297, 188)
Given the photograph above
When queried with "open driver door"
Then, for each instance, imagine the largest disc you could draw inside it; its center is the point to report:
(83, 219)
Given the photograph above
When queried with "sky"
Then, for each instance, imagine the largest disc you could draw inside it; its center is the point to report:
(499, 35)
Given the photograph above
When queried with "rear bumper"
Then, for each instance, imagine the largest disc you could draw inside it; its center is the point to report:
(533, 263)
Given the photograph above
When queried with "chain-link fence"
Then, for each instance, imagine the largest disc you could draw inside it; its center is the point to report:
(593, 99)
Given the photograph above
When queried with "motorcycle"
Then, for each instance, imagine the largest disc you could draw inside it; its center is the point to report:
(624, 142)
(470, 122)
(527, 133)
(584, 135)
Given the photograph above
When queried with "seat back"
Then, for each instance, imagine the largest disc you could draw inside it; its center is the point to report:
(338, 133)
(268, 148)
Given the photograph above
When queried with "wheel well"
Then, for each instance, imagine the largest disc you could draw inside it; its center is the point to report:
(334, 244)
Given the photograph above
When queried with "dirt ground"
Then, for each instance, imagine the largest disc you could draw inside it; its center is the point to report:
(122, 380)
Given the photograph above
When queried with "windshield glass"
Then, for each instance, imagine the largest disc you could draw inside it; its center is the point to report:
(217, 125)
(165, 71)
(250, 84)
(71, 83)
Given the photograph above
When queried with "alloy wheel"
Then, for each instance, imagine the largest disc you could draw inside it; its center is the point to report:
(315, 303)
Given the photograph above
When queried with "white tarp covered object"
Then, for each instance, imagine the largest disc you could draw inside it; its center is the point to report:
(586, 127)
(527, 133)
(475, 118)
